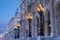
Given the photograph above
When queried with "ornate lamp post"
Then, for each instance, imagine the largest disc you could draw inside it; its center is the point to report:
(29, 17)
(40, 9)
(16, 28)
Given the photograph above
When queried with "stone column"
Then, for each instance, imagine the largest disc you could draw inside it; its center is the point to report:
(57, 17)
(52, 18)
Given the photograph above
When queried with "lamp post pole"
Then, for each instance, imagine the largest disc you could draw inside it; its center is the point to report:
(16, 28)
(30, 27)
(18, 32)
(29, 17)
(40, 10)
(41, 23)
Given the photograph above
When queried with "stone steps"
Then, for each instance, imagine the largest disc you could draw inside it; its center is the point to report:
(40, 38)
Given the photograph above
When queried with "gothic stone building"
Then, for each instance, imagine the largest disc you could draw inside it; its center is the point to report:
(42, 17)
(40, 20)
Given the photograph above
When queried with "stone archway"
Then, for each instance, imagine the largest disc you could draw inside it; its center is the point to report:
(57, 16)
(47, 23)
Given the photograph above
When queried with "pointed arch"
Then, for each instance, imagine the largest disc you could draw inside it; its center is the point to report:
(47, 23)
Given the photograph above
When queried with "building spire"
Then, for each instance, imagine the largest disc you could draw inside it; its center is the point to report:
(17, 12)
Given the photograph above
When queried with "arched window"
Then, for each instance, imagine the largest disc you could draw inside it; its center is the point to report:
(48, 23)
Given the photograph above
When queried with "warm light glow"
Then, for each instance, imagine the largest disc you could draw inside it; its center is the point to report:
(40, 8)
(17, 25)
(29, 16)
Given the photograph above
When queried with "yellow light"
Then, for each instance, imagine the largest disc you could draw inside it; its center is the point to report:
(29, 16)
(17, 25)
(40, 8)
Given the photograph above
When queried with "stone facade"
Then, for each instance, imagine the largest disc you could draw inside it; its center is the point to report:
(38, 23)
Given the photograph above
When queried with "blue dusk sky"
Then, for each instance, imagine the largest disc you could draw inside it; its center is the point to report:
(7, 11)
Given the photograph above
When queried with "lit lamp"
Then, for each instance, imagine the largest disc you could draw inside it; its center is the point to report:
(29, 17)
(16, 28)
(40, 9)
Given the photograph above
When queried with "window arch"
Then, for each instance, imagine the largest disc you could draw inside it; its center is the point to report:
(48, 23)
